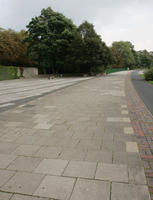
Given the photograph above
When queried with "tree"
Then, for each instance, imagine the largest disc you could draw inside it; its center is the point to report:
(88, 51)
(49, 37)
(12, 50)
(145, 59)
(125, 53)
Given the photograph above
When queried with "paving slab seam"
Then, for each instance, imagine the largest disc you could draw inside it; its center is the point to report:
(142, 122)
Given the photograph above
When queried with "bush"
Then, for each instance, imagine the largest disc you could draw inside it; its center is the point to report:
(7, 73)
(149, 75)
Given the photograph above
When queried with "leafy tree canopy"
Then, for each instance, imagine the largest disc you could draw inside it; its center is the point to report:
(49, 37)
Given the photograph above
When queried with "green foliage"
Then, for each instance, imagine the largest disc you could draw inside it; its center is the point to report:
(89, 54)
(12, 50)
(111, 70)
(7, 73)
(149, 75)
(145, 59)
(49, 36)
(124, 53)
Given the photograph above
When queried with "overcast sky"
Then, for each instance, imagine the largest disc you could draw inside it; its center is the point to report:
(114, 20)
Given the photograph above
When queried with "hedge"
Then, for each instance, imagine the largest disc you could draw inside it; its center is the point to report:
(148, 74)
(111, 70)
(8, 72)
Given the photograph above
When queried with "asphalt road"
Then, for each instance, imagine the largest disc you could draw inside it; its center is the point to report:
(144, 89)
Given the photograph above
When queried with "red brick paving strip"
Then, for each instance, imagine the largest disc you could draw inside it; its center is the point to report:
(142, 122)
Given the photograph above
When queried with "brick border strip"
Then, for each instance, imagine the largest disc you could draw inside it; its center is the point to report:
(142, 122)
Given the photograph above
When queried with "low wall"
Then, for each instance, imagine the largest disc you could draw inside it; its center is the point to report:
(28, 72)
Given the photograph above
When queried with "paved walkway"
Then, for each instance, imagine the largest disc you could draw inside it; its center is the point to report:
(74, 144)
(15, 92)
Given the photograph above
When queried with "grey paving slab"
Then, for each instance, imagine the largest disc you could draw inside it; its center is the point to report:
(7, 148)
(56, 187)
(5, 175)
(137, 175)
(90, 144)
(25, 197)
(91, 190)
(99, 156)
(26, 150)
(72, 154)
(5, 196)
(132, 147)
(25, 139)
(23, 163)
(130, 159)
(49, 152)
(80, 169)
(68, 142)
(122, 191)
(128, 130)
(24, 183)
(51, 166)
(112, 172)
(5, 160)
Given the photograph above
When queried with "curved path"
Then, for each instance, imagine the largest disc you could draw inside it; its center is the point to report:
(144, 89)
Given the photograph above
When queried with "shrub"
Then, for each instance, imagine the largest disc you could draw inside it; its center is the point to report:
(149, 75)
(7, 73)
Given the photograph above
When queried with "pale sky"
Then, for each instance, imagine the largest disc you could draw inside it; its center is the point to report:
(114, 20)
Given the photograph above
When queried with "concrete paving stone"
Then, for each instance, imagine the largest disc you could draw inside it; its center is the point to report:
(112, 172)
(27, 139)
(80, 169)
(118, 119)
(68, 142)
(132, 147)
(24, 183)
(122, 191)
(5, 196)
(7, 148)
(13, 124)
(89, 144)
(47, 141)
(124, 112)
(99, 156)
(5, 160)
(130, 159)
(83, 135)
(72, 154)
(10, 137)
(65, 133)
(22, 163)
(91, 190)
(26, 150)
(44, 133)
(43, 126)
(25, 197)
(51, 166)
(56, 187)
(123, 106)
(128, 130)
(109, 145)
(137, 175)
(110, 129)
(126, 119)
(5, 175)
(49, 152)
